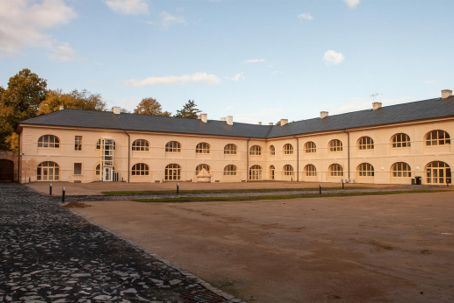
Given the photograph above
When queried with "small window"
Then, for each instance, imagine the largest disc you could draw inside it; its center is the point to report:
(310, 147)
(365, 170)
(401, 141)
(336, 170)
(230, 149)
(140, 169)
(310, 170)
(98, 143)
(200, 167)
(140, 145)
(401, 170)
(272, 150)
(78, 143)
(173, 147)
(78, 168)
(230, 170)
(202, 148)
(255, 150)
(438, 137)
(288, 149)
(365, 143)
(335, 145)
(49, 141)
(288, 170)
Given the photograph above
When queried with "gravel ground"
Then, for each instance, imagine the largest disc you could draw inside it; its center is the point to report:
(49, 254)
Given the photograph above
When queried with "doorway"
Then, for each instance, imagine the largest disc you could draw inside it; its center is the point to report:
(6, 170)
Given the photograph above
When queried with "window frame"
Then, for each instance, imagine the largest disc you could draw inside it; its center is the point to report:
(366, 143)
(45, 142)
(140, 145)
(230, 170)
(398, 168)
(310, 172)
(78, 143)
(338, 172)
(429, 138)
(255, 150)
(335, 146)
(288, 170)
(173, 147)
(272, 150)
(310, 147)
(140, 169)
(47, 167)
(288, 149)
(366, 170)
(203, 148)
(230, 149)
(397, 141)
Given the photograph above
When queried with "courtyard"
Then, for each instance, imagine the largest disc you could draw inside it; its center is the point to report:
(381, 248)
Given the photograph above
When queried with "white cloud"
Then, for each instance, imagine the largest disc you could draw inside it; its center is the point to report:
(197, 77)
(237, 77)
(352, 3)
(128, 7)
(23, 24)
(167, 19)
(360, 104)
(263, 115)
(333, 58)
(305, 16)
(254, 61)
(63, 53)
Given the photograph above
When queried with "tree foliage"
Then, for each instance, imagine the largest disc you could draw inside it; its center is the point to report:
(75, 100)
(189, 110)
(149, 106)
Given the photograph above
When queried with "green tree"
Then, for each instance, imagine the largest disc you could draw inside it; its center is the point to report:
(189, 110)
(149, 106)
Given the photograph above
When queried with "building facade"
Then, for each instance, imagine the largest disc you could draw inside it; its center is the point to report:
(382, 145)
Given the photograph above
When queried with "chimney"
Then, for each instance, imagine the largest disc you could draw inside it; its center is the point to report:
(116, 110)
(376, 105)
(284, 121)
(446, 93)
(323, 114)
(204, 118)
(230, 120)
(223, 119)
(271, 123)
(260, 123)
(62, 107)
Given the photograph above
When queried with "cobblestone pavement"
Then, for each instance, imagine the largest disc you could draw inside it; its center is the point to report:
(49, 254)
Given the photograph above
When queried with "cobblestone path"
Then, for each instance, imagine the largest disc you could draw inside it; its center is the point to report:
(49, 254)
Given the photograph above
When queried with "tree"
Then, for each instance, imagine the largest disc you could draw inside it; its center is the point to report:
(76, 100)
(189, 110)
(149, 106)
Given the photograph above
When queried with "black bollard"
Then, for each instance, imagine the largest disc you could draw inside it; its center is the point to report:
(50, 189)
(178, 188)
(63, 195)
(320, 189)
(29, 179)
(343, 184)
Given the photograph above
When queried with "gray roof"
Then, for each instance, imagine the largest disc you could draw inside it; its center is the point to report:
(413, 111)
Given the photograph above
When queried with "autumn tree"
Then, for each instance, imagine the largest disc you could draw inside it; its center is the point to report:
(189, 110)
(149, 106)
(75, 100)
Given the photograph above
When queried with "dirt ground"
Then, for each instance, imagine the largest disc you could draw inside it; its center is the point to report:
(391, 248)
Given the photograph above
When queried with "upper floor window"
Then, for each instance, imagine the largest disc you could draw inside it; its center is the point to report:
(49, 141)
(202, 148)
(437, 137)
(140, 169)
(401, 140)
(255, 150)
(173, 147)
(98, 143)
(336, 170)
(365, 143)
(310, 147)
(335, 145)
(365, 170)
(272, 150)
(288, 149)
(230, 149)
(140, 145)
(78, 143)
(288, 170)
(310, 170)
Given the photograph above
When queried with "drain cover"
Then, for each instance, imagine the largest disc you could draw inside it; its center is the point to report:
(203, 297)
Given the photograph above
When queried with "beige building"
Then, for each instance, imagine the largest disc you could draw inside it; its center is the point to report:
(384, 145)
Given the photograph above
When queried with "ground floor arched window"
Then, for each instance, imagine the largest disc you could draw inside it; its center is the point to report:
(272, 170)
(173, 172)
(365, 170)
(401, 170)
(310, 170)
(48, 171)
(201, 167)
(255, 172)
(437, 172)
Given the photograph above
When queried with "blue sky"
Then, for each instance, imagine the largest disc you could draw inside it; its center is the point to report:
(255, 60)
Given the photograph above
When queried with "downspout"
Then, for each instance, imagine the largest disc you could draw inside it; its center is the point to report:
(297, 158)
(129, 151)
(247, 160)
(348, 149)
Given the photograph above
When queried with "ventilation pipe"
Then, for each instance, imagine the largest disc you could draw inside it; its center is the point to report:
(446, 93)
(376, 105)
(204, 118)
(284, 121)
(230, 120)
(323, 114)
(116, 110)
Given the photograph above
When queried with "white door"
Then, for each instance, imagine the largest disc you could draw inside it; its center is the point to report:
(107, 174)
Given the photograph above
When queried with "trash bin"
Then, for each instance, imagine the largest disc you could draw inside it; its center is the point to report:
(413, 181)
(418, 180)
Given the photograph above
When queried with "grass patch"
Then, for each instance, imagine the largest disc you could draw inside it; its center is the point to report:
(220, 191)
(281, 197)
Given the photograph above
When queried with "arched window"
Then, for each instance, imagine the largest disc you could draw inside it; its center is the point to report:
(365, 143)
(255, 172)
(288, 149)
(48, 171)
(366, 170)
(173, 172)
(310, 147)
(255, 150)
(272, 150)
(140, 169)
(335, 170)
(437, 137)
(140, 145)
(335, 145)
(288, 170)
(230, 170)
(202, 148)
(272, 170)
(310, 170)
(202, 166)
(401, 170)
(230, 149)
(437, 172)
(173, 147)
(401, 140)
(98, 169)
(48, 141)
